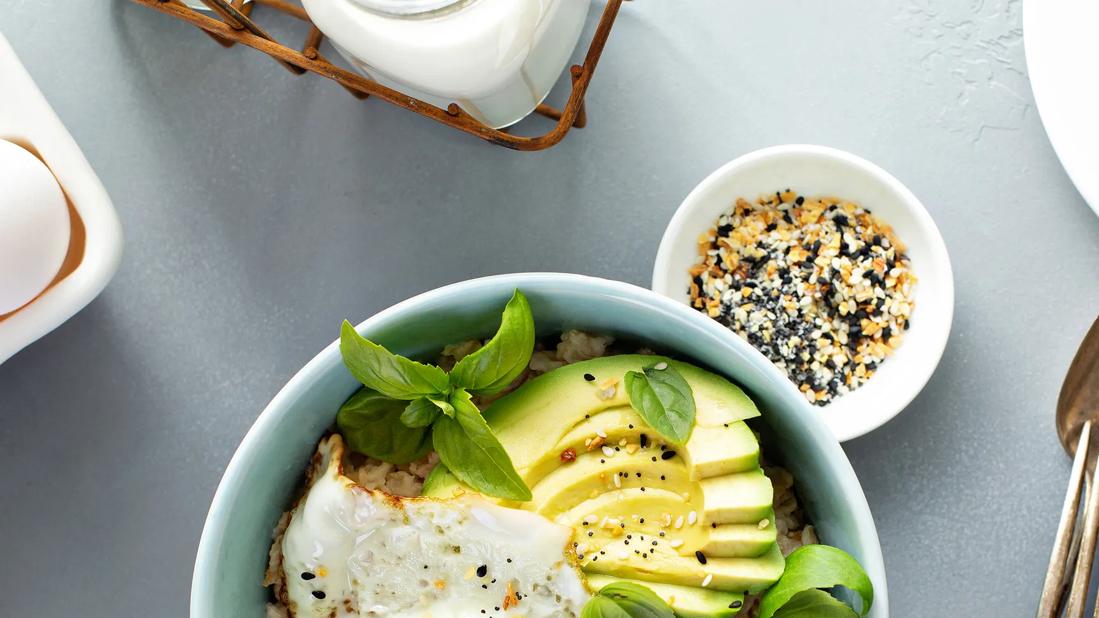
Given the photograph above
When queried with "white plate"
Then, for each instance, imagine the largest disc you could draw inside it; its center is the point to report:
(1062, 56)
(815, 170)
(27, 119)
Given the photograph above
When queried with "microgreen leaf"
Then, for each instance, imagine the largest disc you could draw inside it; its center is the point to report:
(370, 423)
(504, 358)
(472, 453)
(815, 604)
(664, 399)
(389, 374)
(813, 567)
(626, 600)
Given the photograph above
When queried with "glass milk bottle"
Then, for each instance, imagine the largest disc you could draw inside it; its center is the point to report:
(498, 59)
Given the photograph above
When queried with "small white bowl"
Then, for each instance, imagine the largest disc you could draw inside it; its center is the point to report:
(820, 171)
(27, 120)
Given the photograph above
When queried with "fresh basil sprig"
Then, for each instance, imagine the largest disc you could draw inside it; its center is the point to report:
(370, 423)
(813, 568)
(664, 400)
(626, 600)
(469, 449)
(504, 358)
(408, 406)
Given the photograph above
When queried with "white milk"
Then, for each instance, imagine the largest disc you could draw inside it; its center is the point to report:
(498, 59)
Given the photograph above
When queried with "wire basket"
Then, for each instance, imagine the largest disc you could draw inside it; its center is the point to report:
(231, 22)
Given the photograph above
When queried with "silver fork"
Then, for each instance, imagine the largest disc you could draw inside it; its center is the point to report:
(1077, 408)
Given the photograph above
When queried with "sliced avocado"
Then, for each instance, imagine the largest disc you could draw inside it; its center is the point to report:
(741, 498)
(593, 463)
(545, 409)
(740, 540)
(687, 601)
(608, 427)
(724, 449)
(732, 574)
(594, 473)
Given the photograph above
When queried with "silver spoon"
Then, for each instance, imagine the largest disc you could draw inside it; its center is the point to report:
(1077, 414)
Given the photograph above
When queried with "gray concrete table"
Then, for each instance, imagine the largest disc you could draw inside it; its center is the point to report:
(262, 209)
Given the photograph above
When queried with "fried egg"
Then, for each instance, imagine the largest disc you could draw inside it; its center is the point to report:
(351, 551)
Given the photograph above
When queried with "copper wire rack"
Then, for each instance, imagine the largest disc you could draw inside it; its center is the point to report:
(233, 21)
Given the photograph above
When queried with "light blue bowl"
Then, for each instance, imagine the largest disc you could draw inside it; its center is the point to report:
(266, 470)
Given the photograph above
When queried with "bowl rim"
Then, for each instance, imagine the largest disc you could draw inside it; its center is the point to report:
(937, 333)
(230, 486)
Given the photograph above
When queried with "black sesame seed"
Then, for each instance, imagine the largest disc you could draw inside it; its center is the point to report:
(644, 441)
(736, 604)
(589, 377)
(308, 576)
(701, 557)
(482, 570)
(318, 594)
(800, 200)
(667, 455)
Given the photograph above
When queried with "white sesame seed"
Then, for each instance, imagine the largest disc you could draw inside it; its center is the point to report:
(692, 518)
(709, 578)
(661, 366)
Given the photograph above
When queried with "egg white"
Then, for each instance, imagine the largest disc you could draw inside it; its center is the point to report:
(365, 553)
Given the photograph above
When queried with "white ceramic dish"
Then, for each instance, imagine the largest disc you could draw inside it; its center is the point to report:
(1062, 54)
(27, 120)
(815, 170)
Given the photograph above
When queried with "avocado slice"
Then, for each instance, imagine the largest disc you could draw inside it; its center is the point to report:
(687, 601)
(545, 409)
(725, 449)
(740, 540)
(733, 574)
(741, 498)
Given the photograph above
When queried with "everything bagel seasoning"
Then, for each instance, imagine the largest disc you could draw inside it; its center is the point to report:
(819, 286)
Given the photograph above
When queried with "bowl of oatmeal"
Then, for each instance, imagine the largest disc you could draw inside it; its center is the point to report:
(826, 265)
(578, 319)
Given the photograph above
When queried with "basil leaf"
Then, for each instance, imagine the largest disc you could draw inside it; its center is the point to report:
(815, 604)
(370, 423)
(626, 600)
(503, 359)
(469, 449)
(664, 399)
(421, 412)
(817, 566)
(602, 607)
(389, 374)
